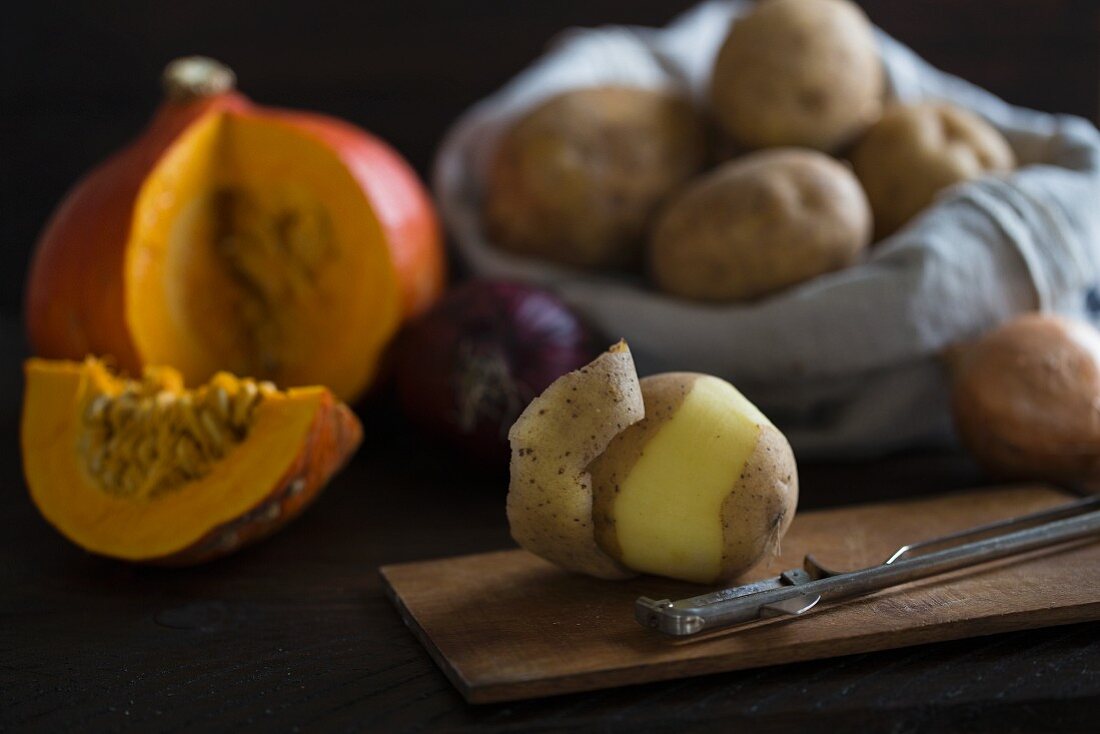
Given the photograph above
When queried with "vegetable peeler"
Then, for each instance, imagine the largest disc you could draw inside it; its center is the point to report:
(798, 591)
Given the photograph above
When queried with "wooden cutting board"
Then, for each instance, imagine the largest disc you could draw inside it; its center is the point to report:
(507, 625)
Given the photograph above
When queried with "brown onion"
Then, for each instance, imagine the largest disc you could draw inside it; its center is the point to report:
(1026, 399)
(468, 368)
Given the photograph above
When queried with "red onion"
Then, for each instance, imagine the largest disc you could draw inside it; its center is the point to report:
(469, 367)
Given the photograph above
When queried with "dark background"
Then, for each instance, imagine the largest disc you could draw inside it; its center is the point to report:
(80, 78)
(296, 632)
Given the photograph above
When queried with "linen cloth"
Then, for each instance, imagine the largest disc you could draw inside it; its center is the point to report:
(848, 364)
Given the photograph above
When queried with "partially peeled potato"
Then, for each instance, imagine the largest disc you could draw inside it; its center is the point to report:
(677, 475)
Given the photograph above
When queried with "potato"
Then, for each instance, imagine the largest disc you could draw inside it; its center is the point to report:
(759, 224)
(798, 72)
(916, 150)
(553, 441)
(578, 178)
(1026, 399)
(701, 490)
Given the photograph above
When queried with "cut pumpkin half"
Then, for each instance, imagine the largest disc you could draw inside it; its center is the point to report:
(145, 470)
(284, 245)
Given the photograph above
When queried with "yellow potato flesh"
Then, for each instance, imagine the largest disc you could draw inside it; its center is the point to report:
(668, 511)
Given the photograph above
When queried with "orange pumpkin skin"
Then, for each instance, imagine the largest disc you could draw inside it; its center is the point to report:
(76, 300)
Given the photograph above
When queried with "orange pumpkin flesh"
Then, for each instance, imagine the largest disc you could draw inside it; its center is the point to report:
(284, 245)
(292, 445)
(235, 264)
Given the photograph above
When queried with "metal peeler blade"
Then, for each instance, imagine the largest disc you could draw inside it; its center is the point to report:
(798, 591)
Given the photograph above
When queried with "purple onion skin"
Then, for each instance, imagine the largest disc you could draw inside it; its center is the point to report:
(468, 368)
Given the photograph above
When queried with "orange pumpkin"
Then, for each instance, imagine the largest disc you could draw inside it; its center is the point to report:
(285, 245)
(144, 470)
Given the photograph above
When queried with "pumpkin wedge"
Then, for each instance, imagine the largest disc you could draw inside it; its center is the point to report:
(285, 245)
(145, 470)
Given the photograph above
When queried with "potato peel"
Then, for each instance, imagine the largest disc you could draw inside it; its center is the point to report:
(553, 441)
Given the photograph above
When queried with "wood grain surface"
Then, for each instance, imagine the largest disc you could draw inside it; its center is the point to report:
(508, 625)
(296, 633)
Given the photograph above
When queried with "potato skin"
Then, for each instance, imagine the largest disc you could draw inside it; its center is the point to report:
(916, 150)
(577, 179)
(550, 493)
(759, 224)
(798, 72)
(766, 495)
(1026, 399)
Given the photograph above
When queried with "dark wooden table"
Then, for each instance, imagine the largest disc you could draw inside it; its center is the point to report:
(296, 634)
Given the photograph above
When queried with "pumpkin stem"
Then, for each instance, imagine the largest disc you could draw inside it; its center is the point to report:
(193, 77)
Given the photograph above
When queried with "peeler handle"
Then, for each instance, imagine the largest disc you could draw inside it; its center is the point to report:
(1015, 523)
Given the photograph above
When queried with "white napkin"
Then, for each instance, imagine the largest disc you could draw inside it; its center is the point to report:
(846, 364)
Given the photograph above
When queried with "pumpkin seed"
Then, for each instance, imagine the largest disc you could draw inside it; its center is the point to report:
(96, 409)
(243, 402)
(95, 459)
(213, 432)
(188, 454)
(150, 436)
(147, 451)
(220, 401)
